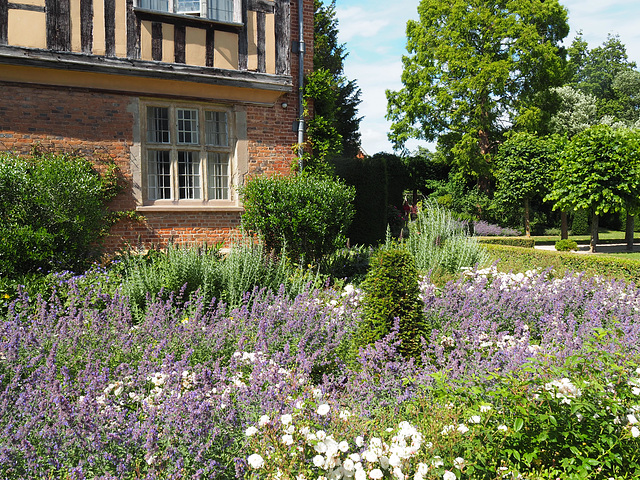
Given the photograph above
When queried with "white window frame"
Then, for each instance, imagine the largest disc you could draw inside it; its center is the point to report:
(202, 11)
(209, 180)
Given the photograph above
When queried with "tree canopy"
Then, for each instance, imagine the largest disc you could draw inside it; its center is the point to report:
(599, 171)
(334, 128)
(475, 69)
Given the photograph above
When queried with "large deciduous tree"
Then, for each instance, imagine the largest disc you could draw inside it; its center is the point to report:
(599, 171)
(475, 68)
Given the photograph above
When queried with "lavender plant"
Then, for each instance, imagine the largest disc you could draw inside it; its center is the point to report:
(88, 391)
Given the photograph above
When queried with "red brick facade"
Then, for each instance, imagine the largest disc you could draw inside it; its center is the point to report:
(101, 125)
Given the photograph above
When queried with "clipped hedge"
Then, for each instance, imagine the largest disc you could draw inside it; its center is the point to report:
(519, 259)
(511, 241)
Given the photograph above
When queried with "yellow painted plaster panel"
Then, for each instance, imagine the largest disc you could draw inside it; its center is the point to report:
(226, 51)
(27, 29)
(136, 85)
(121, 28)
(146, 47)
(252, 29)
(270, 43)
(74, 9)
(168, 44)
(39, 3)
(98, 28)
(195, 40)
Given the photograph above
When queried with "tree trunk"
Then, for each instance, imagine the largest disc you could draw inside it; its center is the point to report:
(628, 235)
(564, 226)
(594, 233)
(527, 225)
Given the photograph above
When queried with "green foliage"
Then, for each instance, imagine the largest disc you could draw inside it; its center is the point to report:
(576, 111)
(521, 259)
(349, 264)
(333, 129)
(178, 272)
(512, 241)
(439, 242)
(580, 222)
(599, 171)
(53, 211)
(566, 245)
(309, 215)
(573, 422)
(523, 168)
(474, 66)
(369, 178)
(594, 73)
(391, 291)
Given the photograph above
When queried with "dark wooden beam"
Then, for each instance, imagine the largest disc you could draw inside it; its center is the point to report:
(64, 25)
(243, 40)
(133, 32)
(86, 25)
(4, 21)
(283, 37)
(51, 7)
(156, 41)
(110, 28)
(262, 6)
(211, 43)
(24, 6)
(261, 27)
(179, 33)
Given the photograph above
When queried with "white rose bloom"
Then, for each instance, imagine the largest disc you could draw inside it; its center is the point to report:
(376, 473)
(503, 428)
(343, 447)
(384, 462)
(321, 434)
(449, 475)
(287, 439)
(635, 432)
(318, 461)
(361, 475)
(255, 461)
(359, 441)
(475, 419)
(437, 462)
(320, 447)
(631, 418)
(462, 428)
(397, 473)
(458, 463)
(286, 419)
(251, 431)
(348, 465)
(290, 429)
(485, 408)
(395, 460)
(355, 457)
(344, 414)
(323, 409)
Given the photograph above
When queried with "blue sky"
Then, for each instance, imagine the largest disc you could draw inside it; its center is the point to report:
(374, 33)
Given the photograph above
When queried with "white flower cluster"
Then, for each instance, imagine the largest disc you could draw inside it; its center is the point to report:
(336, 458)
(563, 389)
(350, 297)
(508, 281)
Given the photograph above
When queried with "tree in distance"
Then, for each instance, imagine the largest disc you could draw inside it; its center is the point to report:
(475, 69)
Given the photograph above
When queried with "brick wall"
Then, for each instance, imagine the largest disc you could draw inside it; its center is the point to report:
(100, 125)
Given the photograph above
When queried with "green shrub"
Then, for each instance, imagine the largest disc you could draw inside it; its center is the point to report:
(566, 245)
(309, 215)
(580, 223)
(521, 259)
(512, 241)
(440, 242)
(391, 291)
(53, 212)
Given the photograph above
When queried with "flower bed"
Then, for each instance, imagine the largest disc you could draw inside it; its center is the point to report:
(521, 375)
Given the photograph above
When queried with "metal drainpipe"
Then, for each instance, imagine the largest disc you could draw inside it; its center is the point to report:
(301, 50)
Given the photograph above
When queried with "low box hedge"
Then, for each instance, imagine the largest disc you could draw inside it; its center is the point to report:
(520, 259)
(511, 241)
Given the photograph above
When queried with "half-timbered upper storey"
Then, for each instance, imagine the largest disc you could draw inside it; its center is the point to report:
(227, 43)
